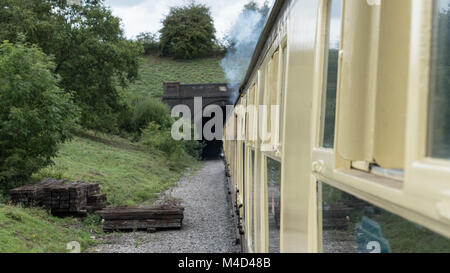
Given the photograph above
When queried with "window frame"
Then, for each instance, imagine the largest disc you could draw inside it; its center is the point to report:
(266, 156)
(420, 166)
(281, 90)
(426, 203)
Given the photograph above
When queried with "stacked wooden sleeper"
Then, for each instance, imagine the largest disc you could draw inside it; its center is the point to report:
(142, 218)
(61, 198)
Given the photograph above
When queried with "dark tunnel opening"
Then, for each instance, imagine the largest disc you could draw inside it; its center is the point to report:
(213, 149)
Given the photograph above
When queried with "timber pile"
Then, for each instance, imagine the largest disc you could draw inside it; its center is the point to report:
(142, 218)
(66, 199)
(95, 202)
(27, 195)
(61, 198)
(33, 195)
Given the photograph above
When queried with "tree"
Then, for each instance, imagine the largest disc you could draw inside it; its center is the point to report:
(150, 42)
(35, 114)
(188, 32)
(90, 51)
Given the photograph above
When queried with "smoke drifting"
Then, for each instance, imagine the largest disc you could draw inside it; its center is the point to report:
(243, 35)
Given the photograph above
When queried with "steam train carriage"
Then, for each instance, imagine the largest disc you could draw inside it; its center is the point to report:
(358, 155)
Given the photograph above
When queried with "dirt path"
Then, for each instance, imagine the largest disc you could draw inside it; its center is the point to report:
(207, 224)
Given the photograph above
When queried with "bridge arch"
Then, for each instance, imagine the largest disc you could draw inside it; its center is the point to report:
(211, 94)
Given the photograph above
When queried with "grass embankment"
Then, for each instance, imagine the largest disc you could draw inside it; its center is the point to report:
(33, 230)
(155, 71)
(127, 173)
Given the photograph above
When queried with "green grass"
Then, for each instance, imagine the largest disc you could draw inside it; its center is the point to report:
(33, 230)
(127, 173)
(155, 71)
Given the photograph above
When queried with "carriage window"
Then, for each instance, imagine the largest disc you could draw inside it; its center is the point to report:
(351, 225)
(252, 202)
(283, 87)
(439, 138)
(331, 73)
(274, 203)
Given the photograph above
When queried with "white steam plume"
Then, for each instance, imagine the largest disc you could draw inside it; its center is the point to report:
(244, 34)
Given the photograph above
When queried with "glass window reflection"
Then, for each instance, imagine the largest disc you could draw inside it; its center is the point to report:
(252, 202)
(331, 74)
(351, 225)
(274, 203)
(439, 129)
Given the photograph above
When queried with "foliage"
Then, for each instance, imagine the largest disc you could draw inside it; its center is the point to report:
(194, 148)
(125, 119)
(151, 110)
(92, 220)
(92, 55)
(188, 32)
(35, 115)
(159, 138)
(150, 42)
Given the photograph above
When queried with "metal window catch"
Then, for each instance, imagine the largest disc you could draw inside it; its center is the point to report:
(317, 166)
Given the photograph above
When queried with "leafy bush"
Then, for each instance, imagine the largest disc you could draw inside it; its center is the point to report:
(156, 137)
(90, 51)
(151, 110)
(194, 148)
(149, 41)
(188, 32)
(125, 119)
(35, 115)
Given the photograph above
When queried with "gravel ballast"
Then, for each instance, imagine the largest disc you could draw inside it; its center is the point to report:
(207, 225)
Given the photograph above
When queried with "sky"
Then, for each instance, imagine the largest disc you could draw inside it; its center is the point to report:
(146, 15)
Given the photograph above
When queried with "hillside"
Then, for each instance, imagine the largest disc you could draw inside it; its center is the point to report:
(155, 71)
(127, 173)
